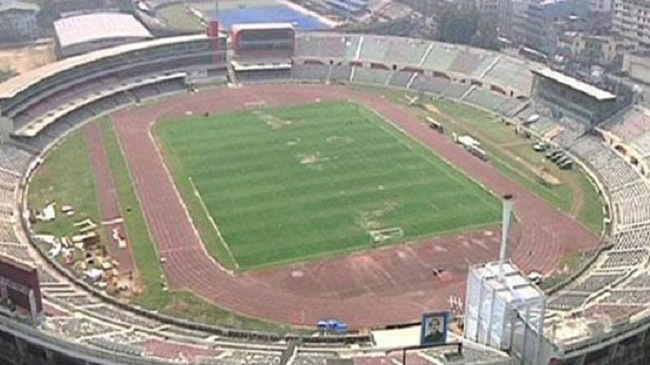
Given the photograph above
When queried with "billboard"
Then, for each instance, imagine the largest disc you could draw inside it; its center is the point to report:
(433, 330)
(19, 282)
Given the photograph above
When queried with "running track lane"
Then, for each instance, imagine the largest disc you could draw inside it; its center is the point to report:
(108, 200)
(544, 235)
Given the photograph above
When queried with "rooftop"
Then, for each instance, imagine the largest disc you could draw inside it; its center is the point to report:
(99, 26)
(576, 84)
(6, 5)
(261, 26)
(13, 86)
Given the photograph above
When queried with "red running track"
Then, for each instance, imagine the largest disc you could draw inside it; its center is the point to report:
(367, 289)
(108, 200)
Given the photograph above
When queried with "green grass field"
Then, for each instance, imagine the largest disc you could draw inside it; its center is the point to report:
(292, 183)
(66, 183)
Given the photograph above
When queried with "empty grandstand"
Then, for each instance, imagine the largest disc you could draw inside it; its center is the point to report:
(566, 95)
(263, 40)
(597, 317)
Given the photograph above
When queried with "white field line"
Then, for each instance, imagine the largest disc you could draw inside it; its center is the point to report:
(180, 199)
(214, 224)
(329, 22)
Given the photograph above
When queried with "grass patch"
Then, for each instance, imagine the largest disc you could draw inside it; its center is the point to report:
(144, 253)
(188, 305)
(467, 121)
(293, 183)
(178, 304)
(178, 16)
(592, 213)
(569, 265)
(66, 177)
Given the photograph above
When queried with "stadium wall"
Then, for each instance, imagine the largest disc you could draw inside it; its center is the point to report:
(262, 41)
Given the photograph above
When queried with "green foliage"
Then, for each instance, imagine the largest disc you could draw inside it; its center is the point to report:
(47, 15)
(466, 26)
(486, 35)
(7, 73)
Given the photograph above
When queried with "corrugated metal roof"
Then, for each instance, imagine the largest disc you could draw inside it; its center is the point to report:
(576, 84)
(99, 26)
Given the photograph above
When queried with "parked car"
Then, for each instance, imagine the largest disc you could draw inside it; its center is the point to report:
(562, 160)
(536, 277)
(552, 154)
(558, 156)
(566, 165)
(540, 146)
(332, 325)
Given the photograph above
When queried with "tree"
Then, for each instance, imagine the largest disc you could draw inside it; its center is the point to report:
(466, 26)
(46, 16)
(7, 73)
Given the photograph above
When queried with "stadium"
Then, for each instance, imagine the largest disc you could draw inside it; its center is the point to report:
(189, 138)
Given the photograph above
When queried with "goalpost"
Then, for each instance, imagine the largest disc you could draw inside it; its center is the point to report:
(382, 235)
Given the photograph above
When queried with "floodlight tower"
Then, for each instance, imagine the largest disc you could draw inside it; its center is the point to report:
(508, 203)
(213, 22)
(503, 308)
(213, 32)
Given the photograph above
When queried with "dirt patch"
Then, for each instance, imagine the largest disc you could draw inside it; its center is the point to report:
(312, 160)
(432, 109)
(369, 220)
(339, 140)
(26, 58)
(272, 121)
(546, 177)
(309, 159)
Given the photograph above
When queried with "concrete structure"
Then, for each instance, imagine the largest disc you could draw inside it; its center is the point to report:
(85, 33)
(488, 8)
(637, 66)
(17, 20)
(632, 21)
(604, 50)
(263, 40)
(567, 96)
(540, 24)
(601, 5)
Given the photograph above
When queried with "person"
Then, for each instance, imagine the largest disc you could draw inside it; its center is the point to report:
(434, 330)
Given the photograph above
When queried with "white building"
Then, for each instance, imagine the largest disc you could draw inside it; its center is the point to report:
(632, 21)
(604, 6)
(89, 32)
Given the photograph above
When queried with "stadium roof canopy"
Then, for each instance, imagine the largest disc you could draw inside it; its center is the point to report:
(99, 26)
(14, 85)
(589, 90)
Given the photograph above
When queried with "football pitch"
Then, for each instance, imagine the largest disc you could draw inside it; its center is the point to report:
(277, 185)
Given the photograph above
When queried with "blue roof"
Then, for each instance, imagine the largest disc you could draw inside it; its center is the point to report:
(269, 14)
